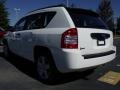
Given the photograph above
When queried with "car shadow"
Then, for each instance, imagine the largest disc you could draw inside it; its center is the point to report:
(27, 67)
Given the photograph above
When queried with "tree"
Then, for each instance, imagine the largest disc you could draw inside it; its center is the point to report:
(106, 13)
(4, 22)
(118, 23)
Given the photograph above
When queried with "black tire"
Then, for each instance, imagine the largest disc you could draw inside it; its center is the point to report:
(6, 52)
(45, 68)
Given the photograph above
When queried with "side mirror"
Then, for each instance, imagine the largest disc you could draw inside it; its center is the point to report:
(11, 29)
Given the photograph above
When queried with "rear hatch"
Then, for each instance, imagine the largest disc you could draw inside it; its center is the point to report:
(93, 41)
(93, 35)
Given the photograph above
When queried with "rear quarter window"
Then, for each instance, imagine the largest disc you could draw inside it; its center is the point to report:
(48, 17)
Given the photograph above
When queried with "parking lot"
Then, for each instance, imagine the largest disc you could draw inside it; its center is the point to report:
(18, 74)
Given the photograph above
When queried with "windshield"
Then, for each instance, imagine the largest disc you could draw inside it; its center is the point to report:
(84, 20)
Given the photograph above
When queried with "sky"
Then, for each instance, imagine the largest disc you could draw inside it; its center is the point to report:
(25, 6)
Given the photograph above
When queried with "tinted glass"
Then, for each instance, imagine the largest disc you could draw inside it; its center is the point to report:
(86, 19)
(48, 17)
(35, 22)
(40, 20)
(20, 25)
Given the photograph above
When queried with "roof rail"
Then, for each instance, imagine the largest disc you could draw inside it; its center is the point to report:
(60, 5)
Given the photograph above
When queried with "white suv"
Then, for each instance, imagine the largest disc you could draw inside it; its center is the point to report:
(61, 39)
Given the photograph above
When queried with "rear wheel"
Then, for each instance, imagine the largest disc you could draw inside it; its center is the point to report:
(46, 71)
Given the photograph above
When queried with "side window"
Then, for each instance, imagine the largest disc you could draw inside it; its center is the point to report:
(20, 25)
(35, 22)
(48, 17)
(40, 20)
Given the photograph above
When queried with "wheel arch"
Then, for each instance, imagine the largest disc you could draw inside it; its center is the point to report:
(41, 49)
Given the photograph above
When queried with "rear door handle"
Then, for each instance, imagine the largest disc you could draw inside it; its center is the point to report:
(18, 34)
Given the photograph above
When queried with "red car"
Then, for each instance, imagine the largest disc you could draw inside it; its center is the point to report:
(2, 32)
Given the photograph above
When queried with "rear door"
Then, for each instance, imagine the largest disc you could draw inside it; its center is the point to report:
(93, 34)
(35, 22)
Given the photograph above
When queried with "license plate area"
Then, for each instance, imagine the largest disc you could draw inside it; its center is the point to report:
(100, 42)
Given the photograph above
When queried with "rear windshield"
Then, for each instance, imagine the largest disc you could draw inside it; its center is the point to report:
(87, 20)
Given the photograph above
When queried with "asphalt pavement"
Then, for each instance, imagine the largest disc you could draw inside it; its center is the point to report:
(19, 74)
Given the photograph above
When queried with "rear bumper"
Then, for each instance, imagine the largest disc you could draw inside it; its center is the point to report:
(98, 54)
(72, 60)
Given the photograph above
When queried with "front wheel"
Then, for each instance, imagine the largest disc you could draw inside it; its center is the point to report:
(6, 51)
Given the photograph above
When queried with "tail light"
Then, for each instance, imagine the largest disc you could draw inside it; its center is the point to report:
(69, 39)
(2, 34)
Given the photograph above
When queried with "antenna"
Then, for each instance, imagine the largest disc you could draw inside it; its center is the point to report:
(67, 3)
